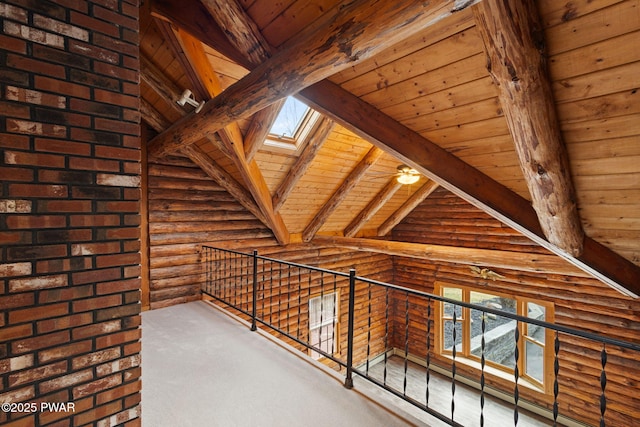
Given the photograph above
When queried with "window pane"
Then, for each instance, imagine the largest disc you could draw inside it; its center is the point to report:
(499, 331)
(448, 335)
(536, 311)
(534, 360)
(289, 118)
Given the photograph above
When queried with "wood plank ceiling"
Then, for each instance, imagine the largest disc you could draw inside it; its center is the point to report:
(528, 110)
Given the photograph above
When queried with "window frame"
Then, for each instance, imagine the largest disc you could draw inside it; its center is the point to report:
(463, 352)
(335, 339)
(288, 144)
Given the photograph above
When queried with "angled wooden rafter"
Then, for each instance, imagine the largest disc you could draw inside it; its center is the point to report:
(259, 128)
(231, 136)
(416, 198)
(297, 170)
(372, 207)
(514, 45)
(372, 156)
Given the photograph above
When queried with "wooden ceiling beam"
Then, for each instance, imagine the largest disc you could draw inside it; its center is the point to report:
(372, 207)
(168, 91)
(358, 31)
(372, 156)
(297, 170)
(152, 117)
(232, 139)
(514, 44)
(259, 128)
(517, 261)
(416, 198)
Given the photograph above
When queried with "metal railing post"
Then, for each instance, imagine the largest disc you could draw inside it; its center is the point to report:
(348, 382)
(255, 290)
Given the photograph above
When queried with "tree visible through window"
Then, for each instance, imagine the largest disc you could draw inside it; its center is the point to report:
(463, 327)
(323, 315)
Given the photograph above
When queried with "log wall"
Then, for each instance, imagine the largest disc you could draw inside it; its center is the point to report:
(580, 303)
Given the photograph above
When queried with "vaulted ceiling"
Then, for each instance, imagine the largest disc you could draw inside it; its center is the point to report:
(527, 110)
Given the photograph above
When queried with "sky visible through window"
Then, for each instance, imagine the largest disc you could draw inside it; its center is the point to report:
(289, 119)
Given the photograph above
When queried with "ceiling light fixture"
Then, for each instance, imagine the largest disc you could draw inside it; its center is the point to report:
(187, 98)
(407, 175)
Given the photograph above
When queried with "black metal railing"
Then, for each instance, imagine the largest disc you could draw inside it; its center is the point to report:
(388, 333)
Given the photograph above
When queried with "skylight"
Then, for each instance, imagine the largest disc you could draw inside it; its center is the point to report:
(290, 118)
(294, 124)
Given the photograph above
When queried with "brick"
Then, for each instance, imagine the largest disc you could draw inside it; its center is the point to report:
(118, 180)
(97, 303)
(90, 135)
(59, 236)
(16, 363)
(119, 233)
(15, 269)
(94, 220)
(132, 321)
(106, 275)
(15, 206)
(118, 153)
(117, 338)
(95, 108)
(33, 34)
(37, 343)
(33, 159)
(17, 174)
(118, 207)
(96, 329)
(65, 381)
(66, 177)
(114, 313)
(70, 206)
(132, 374)
(118, 286)
(118, 72)
(94, 24)
(97, 413)
(104, 261)
(81, 405)
(41, 372)
(15, 77)
(47, 115)
(15, 332)
(16, 222)
(119, 392)
(96, 52)
(20, 142)
(131, 246)
(35, 128)
(116, 99)
(81, 163)
(96, 358)
(120, 418)
(36, 283)
(63, 265)
(56, 56)
(34, 97)
(117, 18)
(132, 271)
(62, 28)
(62, 87)
(17, 111)
(94, 248)
(90, 78)
(118, 365)
(28, 421)
(132, 168)
(132, 348)
(29, 64)
(94, 193)
(66, 322)
(14, 13)
(36, 313)
(15, 237)
(22, 299)
(36, 252)
(18, 395)
(96, 386)
(38, 190)
(65, 351)
(65, 294)
(13, 44)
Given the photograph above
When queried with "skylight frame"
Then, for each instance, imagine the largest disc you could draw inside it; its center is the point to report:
(304, 128)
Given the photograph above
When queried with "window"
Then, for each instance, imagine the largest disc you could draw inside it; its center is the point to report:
(323, 319)
(292, 126)
(461, 332)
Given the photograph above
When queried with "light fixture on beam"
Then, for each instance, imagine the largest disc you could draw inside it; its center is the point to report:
(187, 98)
(407, 175)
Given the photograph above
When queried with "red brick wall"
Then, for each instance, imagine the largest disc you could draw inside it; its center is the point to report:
(69, 212)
